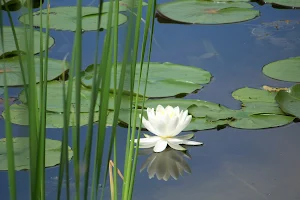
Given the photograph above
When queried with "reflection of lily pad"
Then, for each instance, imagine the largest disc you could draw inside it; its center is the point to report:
(289, 3)
(254, 95)
(21, 153)
(64, 18)
(285, 70)
(289, 101)
(55, 98)
(19, 115)
(9, 42)
(165, 79)
(207, 12)
(14, 74)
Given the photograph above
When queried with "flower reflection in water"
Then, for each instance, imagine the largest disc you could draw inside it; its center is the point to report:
(166, 164)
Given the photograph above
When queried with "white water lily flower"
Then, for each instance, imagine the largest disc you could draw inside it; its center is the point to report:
(166, 124)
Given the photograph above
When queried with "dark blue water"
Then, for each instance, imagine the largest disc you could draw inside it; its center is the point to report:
(233, 164)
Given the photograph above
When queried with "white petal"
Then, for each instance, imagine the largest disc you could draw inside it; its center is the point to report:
(176, 111)
(148, 126)
(176, 146)
(189, 142)
(160, 109)
(181, 126)
(186, 137)
(160, 145)
(148, 142)
(171, 126)
(169, 109)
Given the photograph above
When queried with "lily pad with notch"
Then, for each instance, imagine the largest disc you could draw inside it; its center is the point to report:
(11, 66)
(284, 70)
(22, 154)
(19, 115)
(207, 12)
(10, 45)
(64, 18)
(165, 79)
(55, 98)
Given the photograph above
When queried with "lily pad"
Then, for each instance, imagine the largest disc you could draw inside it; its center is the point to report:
(165, 79)
(262, 108)
(64, 18)
(289, 101)
(254, 95)
(289, 3)
(261, 121)
(19, 115)
(55, 98)
(253, 119)
(284, 70)
(22, 155)
(14, 74)
(182, 103)
(207, 12)
(10, 45)
(196, 123)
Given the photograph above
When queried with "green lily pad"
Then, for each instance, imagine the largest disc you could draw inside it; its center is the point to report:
(10, 45)
(253, 119)
(261, 121)
(207, 12)
(64, 18)
(183, 104)
(22, 155)
(14, 74)
(19, 115)
(165, 79)
(55, 98)
(254, 95)
(289, 101)
(284, 70)
(196, 123)
(262, 108)
(290, 3)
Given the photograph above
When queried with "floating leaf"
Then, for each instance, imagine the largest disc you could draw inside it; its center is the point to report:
(64, 18)
(289, 3)
(254, 95)
(19, 115)
(10, 45)
(183, 104)
(14, 74)
(284, 70)
(55, 98)
(262, 108)
(289, 101)
(22, 154)
(196, 123)
(165, 79)
(261, 121)
(207, 12)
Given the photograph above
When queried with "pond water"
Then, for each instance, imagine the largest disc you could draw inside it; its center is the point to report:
(233, 164)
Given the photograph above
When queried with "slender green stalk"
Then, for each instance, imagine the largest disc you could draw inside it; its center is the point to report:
(8, 129)
(150, 15)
